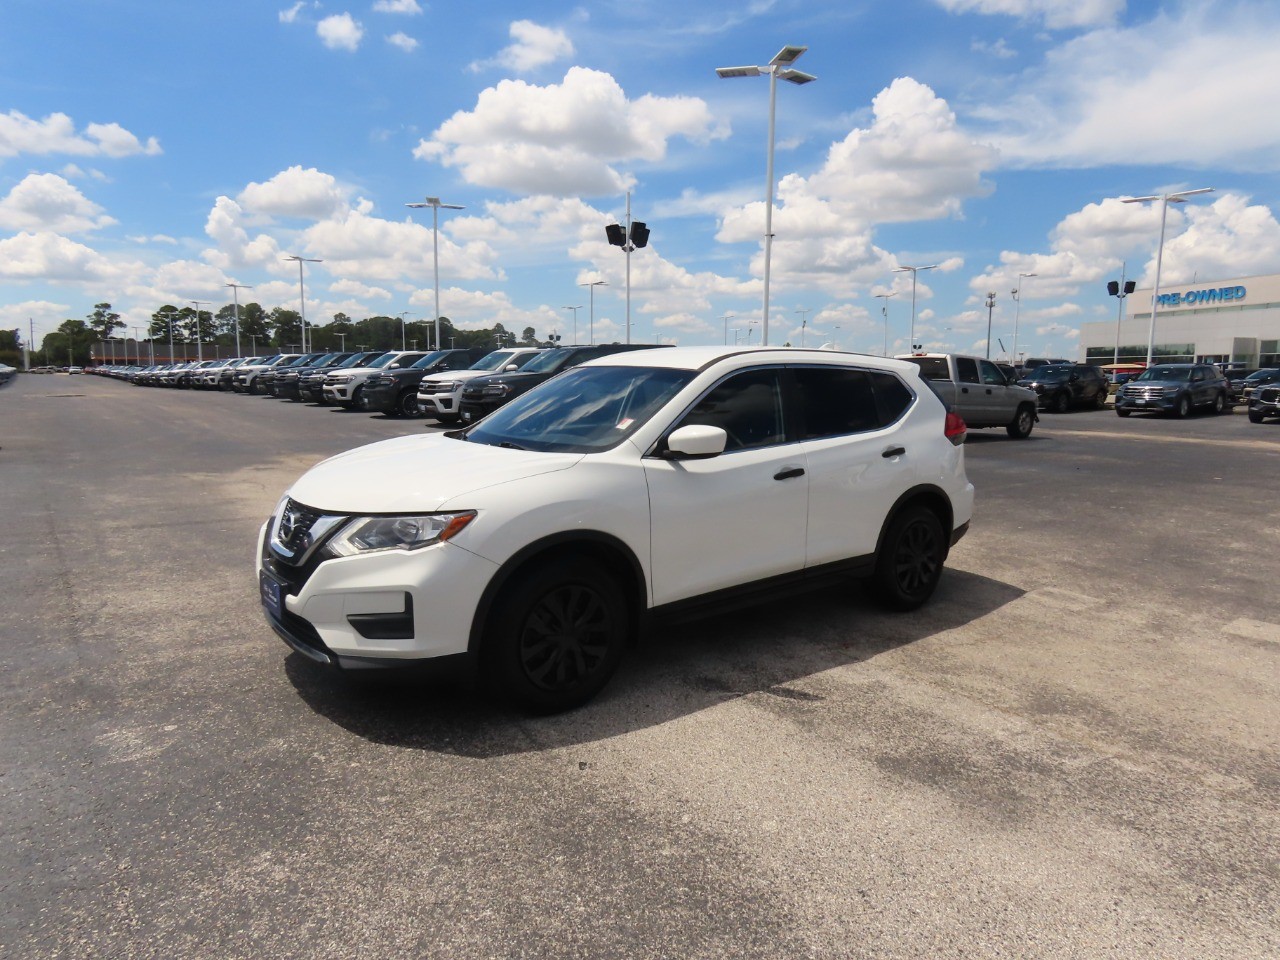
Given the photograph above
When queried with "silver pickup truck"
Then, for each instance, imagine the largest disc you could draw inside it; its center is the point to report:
(977, 390)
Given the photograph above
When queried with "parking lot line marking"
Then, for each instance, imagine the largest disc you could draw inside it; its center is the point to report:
(1254, 630)
(1198, 441)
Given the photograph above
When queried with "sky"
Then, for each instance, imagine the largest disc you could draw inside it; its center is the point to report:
(152, 152)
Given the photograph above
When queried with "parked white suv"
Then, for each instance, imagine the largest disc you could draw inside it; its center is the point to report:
(345, 387)
(535, 543)
(440, 394)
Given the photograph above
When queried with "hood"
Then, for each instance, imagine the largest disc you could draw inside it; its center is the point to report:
(417, 474)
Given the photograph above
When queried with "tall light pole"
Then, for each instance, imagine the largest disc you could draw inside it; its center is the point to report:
(199, 342)
(1120, 291)
(342, 343)
(170, 319)
(235, 292)
(726, 318)
(137, 345)
(914, 271)
(804, 321)
(435, 205)
(403, 314)
(884, 310)
(302, 295)
(592, 287)
(1017, 309)
(575, 321)
(778, 67)
(1165, 199)
(991, 305)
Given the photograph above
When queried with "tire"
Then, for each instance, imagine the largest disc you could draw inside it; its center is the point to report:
(448, 419)
(558, 636)
(910, 560)
(357, 400)
(1183, 408)
(1061, 402)
(1023, 421)
(1220, 403)
(1255, 416)
(407, 405)
(1101, 401)
(253, 389)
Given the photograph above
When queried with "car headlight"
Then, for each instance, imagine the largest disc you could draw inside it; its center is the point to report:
(372, 534)
(496, 390)
(1170, 391)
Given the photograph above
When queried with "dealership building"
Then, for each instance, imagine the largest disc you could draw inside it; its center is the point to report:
(1219, 321)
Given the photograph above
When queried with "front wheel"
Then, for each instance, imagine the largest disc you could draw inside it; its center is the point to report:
(448, 419)
(1060, 402)
(1022, 423)
(558, 636)
(358, 401)
(909, 564)
(1121, 412)
(1255, 416)
(1184, 407)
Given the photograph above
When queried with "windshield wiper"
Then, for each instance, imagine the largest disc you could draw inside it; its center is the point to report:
(510, 446)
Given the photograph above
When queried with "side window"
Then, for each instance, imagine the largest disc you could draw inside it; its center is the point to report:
(967, 370)
(834, 401)
(991, 374)
(892, 396)
(747, 406)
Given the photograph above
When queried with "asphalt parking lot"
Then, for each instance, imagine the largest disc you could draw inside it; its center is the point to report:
(1073, 751)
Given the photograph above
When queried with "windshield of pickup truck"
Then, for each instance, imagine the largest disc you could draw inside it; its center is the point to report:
(582, 411)
(932, 368)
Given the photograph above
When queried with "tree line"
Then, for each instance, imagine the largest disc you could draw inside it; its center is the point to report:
(261, 331)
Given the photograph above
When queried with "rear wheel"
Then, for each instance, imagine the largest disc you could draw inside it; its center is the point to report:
(1023, 421)
(557, 637)
(1220, 403)
(1101, 400)
(910, 561)
(407, 406)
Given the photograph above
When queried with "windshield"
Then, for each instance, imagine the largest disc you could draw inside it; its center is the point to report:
(1049, 374)
(499, 359)
(382, 361)
(426, 361)
(582, 411)
(1166, 373)
(355, 360)
(1262, 375)
(545, 362)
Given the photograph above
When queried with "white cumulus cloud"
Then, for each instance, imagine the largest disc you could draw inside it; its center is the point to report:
(296, 192)
(397, 6)
(56, 133)
(564, 139)
(534, 46)
(403, 41)
(291, 14)
(340, 32)
(1054, 14)
(45, 201)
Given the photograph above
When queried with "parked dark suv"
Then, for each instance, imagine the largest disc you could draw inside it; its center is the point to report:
(1264, 402)
(1174, 388)
(483, 395)
(1060, 386)
(395, 391)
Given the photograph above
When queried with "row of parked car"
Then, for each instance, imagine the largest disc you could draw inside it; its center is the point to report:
(453, 386)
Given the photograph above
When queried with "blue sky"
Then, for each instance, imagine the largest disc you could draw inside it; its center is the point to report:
(151, 152)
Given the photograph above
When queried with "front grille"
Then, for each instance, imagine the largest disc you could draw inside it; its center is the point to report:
(1145, 392)
(1269, 394)
(473, 393)
(430, 388)
(298, 530)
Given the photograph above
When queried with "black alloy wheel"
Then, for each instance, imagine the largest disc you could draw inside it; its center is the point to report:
(558, 637)
(910, 561)
(357, 399)
(407, 405)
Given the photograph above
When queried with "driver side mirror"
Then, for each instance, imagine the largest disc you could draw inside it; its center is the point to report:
(510, 367)
(696, 442)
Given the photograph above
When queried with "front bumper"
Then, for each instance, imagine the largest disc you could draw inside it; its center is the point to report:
(434, 403)
(386, 607)
(1139, 405)
(381, 396)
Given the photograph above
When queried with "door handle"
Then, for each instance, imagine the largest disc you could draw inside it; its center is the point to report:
(964, 389)
(988, 391)
(787, 473)
(894, 452)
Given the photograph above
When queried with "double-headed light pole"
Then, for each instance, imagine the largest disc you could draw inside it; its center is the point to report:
(1165, 199)
(1017, 314)
(436, 206)
(592, 287)
(779, 68)
(199, 341)
(575, 308)
(914, 271)
(235, 292)
(302, 296)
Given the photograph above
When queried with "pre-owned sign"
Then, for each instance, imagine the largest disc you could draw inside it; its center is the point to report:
(1195, 297)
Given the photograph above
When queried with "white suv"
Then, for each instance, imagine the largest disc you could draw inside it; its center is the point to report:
(345, 387)
(440, 394)
(535, 543)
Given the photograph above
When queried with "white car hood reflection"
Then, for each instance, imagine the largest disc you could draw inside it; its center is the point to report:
(417, 474)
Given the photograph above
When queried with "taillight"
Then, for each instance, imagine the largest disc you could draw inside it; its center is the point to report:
(954, 429)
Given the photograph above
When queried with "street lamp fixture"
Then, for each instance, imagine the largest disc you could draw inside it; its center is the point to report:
(592, 287)
(991, 305)
(1119, 289)
(302, 296)
(914, 271)
(1165, 199)
(403, 314)
(726, 318)
(777, 68)
(1016, 293)
(436, 206)
(199, 341)
(884, 310)
(575, 310)
(235, 291)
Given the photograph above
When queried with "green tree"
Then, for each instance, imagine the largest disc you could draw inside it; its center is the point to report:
(530, 337)
(103, 322)
(70, 344)
(286, 326)
(255, 328)
(10, 348)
